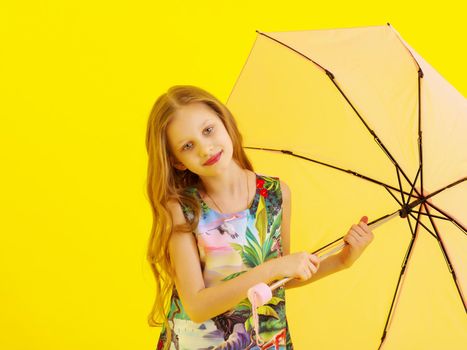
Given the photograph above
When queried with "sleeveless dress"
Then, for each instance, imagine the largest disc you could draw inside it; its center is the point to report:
(229, 245)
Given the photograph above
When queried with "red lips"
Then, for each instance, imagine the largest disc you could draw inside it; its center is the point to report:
(213, 159)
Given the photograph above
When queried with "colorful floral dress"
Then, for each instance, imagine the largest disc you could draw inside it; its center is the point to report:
(229, 245)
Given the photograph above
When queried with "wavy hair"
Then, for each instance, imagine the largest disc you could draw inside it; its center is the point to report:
(165, 183)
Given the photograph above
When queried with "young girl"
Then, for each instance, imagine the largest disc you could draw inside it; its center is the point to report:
(220, 228)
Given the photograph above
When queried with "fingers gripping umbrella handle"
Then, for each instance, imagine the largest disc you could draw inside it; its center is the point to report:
(321, 257)
(336, 249)
(261, 293)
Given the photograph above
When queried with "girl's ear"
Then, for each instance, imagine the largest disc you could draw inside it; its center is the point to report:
(178, 165)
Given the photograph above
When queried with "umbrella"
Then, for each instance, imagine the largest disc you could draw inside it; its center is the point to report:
(357, 123)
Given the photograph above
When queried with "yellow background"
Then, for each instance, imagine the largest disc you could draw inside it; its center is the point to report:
(77, 83)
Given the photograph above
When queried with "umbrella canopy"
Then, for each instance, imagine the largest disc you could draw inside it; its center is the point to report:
(357, 123)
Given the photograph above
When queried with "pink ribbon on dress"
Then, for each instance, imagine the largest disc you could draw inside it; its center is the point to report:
(258, 295)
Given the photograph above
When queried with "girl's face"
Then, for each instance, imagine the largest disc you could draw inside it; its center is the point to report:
(195, 134)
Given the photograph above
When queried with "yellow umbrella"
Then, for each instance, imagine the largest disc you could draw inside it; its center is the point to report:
(357, 123)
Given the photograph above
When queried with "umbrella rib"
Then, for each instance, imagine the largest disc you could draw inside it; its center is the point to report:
(400, 186)
(397, 290)
(423, 200)
(420, 76)
(457, 182)
(393, 196)
(375, 137)
(329, 165)
(446, 256)
(458, 224)
(413, 184)
(434, 216)
(420, 153)
(454, 221)
(332, 77)
(410, 52)
(426, 228)
(298, 52)
(410, 225)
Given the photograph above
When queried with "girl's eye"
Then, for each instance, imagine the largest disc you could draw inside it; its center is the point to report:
(184, 147)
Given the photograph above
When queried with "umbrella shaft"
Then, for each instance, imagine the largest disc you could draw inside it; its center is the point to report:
(334, 250)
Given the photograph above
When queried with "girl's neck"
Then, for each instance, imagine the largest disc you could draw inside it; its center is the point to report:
(232, 183)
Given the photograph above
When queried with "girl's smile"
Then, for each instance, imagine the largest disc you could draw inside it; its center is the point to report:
(214, 159)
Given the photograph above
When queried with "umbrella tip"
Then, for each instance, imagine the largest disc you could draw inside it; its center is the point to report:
(389, 24)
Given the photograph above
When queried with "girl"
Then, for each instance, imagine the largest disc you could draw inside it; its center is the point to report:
(219, 228)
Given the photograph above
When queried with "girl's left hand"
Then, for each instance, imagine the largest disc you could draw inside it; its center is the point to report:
(357, 238)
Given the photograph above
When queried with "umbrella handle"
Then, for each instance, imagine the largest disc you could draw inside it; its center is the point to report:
(322, 257)
(372, 225)
(262, 293)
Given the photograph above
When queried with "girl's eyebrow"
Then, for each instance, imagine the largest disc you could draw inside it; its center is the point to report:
(206, 121)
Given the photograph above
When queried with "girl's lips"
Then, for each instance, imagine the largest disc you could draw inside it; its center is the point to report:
(213, 159)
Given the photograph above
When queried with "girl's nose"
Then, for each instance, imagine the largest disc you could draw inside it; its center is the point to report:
(206, 151)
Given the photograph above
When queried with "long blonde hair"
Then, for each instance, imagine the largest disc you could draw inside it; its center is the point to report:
(165, 182)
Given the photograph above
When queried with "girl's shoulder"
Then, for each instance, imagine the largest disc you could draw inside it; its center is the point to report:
(187, 209)
(179, 209)
(177, 212)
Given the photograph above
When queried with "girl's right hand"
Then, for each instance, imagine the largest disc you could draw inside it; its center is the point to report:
(301, 265)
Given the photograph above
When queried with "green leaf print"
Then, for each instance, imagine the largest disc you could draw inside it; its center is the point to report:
(253, 245)
(271, 184)
(273, 235)
(275, 228)
(249, 324)
(267, 248)
(254, 253)
(275, 300)
(261, 222)
(232, 276)
(267, 311)
(262, 310)
(244, 303)
(250, 257)
(237, 247)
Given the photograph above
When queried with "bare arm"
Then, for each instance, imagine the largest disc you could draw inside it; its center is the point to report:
(328, 266)
(203, 303)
